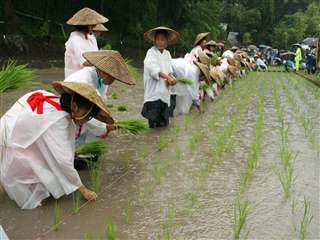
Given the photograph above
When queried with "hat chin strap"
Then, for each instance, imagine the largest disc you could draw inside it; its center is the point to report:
(85, 115)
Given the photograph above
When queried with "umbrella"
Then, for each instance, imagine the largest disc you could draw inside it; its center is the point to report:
(262, 46)
(253, 47)
(310, 41)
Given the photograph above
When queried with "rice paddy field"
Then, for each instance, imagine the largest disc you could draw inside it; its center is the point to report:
(246, 168)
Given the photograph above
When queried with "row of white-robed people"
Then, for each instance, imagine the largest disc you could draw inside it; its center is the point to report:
(40, 132)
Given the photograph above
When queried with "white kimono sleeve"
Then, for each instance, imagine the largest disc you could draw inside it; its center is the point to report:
(151, 64)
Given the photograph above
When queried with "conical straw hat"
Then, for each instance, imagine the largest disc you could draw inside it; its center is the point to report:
(173, 36)
(112, 63)
(203, 58)
(199, 37)
(89, 92)
(232, 70)
(86, 17)
(100, 28)
(214, 74)
(205, 70)
(211, 43)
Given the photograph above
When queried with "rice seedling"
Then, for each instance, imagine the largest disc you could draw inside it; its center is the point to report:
(133, 71)
(192, 199)
(205, 86)
(185, 81)
(128, 212)
(122, 108)
(192, 144)
(132, 126)
(158, 171)
(169, 224)
(286, 178)
(114, 95)
(163, 142)
(48, 88)
(109, 105)
(240, 214)
(110, 233)
(95, 148)
(56, 216)
(215, 60)
(14, 76)
(178, 153)
(306, 220)
(95, 172)
(76, 197)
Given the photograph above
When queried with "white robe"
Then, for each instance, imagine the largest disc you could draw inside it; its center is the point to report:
(155, 87)
(94, 128)
(37, 153)
(185, 93)
(76, 45)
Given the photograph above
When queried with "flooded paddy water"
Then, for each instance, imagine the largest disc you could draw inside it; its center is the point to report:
(217, 175)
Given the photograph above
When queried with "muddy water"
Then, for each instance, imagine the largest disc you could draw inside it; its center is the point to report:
(152, 195)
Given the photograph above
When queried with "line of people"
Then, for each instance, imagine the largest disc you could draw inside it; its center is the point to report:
(41, 131)
(164, 97)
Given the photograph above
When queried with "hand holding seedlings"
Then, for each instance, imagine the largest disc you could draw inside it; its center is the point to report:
(88, 194)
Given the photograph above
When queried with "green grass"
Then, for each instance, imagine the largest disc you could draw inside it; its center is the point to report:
(14, 76)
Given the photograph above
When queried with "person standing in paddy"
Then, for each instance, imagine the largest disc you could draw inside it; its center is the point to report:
(157, 76)
(198, 46)
(37, 143)
(82, 40)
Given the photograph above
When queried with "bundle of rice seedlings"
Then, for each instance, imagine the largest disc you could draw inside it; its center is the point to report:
(214, 60)
(204, 86)
(132, 126)
(114, 95)
(14, 76)
(183, 80)
(133, 71)
(95, 148)
(122, 108)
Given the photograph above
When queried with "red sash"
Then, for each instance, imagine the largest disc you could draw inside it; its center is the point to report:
(37, 99)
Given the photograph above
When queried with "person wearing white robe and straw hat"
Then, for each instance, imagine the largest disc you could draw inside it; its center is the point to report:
(82, 40)
(198, 46)
(103, 68)
(157, 76)
(37, 144)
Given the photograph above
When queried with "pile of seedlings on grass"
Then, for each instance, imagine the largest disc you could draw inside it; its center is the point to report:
(14, 76)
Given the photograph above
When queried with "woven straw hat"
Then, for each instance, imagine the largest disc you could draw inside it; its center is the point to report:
(86, 17)
(214, 74)
(205, 70)
(89, 92)
(100, 28)
(203, 58)
(173, 35)
(232, 70)
(211, 43)
(200, 37)
(112, 63)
